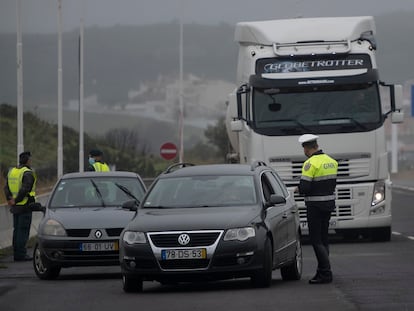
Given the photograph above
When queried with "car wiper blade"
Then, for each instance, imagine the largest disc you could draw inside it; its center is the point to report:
(98, 192)
(127, 192)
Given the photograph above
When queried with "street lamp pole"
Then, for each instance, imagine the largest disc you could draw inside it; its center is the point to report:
(60, 118)
(181, 99)
(81, 113)
(20, 145)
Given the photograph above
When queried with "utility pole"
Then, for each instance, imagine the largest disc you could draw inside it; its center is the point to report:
(81, 114)
(181, 95)
(19, 63)
(60, 118)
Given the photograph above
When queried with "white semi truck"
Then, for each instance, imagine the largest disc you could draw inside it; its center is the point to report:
(318, 76)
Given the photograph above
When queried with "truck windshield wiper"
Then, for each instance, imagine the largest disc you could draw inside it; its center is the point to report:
(341, 121)
(98, 192)
(127, 192)
(296, 122)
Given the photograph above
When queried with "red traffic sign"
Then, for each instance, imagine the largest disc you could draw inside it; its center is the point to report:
(168, 151)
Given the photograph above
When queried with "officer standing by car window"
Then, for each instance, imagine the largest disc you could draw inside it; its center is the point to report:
(317, 185)
(20, 192)
(96, 163)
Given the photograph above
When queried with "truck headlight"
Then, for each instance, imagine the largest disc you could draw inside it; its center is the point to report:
(379, 193)
(54, 228)
(239, 234)
(134, 237)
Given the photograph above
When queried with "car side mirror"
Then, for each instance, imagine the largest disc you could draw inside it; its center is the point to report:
(37, 207)
(131, 205)
(275, 199)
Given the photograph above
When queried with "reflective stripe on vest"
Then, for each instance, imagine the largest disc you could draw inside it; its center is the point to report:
(15, 178)
(320, 198)
(101, 167)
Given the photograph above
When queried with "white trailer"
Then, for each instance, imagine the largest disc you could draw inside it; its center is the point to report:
(319, 76)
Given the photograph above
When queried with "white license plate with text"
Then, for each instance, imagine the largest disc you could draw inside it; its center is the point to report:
(99, 247)
(196, 253)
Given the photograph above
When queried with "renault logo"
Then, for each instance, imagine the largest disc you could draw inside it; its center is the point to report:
(184, 239)
(98, 234)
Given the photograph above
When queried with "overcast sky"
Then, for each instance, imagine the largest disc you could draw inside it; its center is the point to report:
(40, 16)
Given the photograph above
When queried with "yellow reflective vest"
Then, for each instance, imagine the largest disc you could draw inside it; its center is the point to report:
(101, 167)
(318, 180)
(15, 178)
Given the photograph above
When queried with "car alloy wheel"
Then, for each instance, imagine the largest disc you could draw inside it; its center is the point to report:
(43, 268)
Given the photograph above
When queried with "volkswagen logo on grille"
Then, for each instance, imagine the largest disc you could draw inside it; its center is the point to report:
(98, 234)
(184, 239)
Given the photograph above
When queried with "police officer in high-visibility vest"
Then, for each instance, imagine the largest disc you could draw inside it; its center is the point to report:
(317, 185)
(95, 161)
(20, 192)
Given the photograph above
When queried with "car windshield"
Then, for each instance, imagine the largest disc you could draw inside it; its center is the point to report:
(202, 191)
(96, 191)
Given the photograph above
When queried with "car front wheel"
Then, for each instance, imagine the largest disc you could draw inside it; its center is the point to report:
(131, 284)
(263, 277)
(44, 269)
(293, 271)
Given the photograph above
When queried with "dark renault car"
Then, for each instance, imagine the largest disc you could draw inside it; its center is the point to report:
(212, 222)
(83, 220)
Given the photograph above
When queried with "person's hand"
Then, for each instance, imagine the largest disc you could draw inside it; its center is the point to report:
(11, 202)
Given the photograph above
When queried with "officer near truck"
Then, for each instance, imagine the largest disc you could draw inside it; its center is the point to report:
(317, 185)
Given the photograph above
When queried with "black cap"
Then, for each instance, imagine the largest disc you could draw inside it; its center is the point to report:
(95, 153)
(24, 157)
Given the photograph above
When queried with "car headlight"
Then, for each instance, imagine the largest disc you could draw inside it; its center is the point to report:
(379, 193)
(239, 234)
(134, 237)
(54, 228)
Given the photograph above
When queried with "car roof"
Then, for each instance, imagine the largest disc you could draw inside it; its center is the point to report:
(213, 169)
(100, 174)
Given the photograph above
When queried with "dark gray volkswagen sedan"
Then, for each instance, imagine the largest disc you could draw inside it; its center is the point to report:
(83, 220)
(211, 222)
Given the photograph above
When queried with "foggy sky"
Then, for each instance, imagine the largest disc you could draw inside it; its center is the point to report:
(40, 16)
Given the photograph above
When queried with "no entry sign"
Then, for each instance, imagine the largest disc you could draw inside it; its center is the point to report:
(168, 151)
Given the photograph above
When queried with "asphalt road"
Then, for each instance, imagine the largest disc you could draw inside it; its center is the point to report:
(367, 276)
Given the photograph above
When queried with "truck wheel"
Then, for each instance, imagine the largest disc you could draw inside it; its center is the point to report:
(381, 234)
(131, 284)
(43, 268)
(263, 277)
(293, 271)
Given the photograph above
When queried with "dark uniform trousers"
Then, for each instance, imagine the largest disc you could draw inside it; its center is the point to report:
(318, 223)
(21, 231)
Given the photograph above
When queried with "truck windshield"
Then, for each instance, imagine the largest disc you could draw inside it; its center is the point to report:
(318, 109)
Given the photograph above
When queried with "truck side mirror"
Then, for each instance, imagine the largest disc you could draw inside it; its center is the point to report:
(236, 126)
(397, 114)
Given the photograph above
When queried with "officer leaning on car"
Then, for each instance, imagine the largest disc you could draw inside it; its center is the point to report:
(317, 185)
(20, 192)
(96, 163)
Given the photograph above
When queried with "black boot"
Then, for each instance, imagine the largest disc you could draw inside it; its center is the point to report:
(321, 277)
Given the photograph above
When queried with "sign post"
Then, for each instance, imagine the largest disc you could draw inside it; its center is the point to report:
(168, 151)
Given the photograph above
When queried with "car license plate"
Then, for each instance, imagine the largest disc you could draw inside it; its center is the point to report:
(196, 253)
(99, 247)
